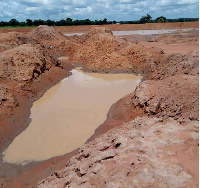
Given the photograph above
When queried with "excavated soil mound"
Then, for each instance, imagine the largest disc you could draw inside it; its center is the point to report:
(100, 49)
(25, 62)
(175, 97)
(53, 40)
(82, 38)
(145, 152)
(11, 40)
(177, 64)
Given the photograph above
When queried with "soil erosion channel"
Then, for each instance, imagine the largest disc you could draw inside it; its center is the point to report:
(68, 114)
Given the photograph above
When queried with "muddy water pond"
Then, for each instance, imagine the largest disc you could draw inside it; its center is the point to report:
(68, 114)
(141, 32)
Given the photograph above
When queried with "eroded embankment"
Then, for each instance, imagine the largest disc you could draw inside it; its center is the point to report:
(100, 51)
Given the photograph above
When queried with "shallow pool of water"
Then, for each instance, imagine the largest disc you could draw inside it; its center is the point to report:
(68, 114)
(140, 32)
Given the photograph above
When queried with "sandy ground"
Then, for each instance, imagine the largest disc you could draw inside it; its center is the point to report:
(15, 110)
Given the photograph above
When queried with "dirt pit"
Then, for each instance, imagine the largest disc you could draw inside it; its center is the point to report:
(68, 114)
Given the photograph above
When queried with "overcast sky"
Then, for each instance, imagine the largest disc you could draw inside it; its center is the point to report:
(97, 9)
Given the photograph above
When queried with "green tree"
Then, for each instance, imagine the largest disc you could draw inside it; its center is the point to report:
(180, 20)
(69, 21)
(105, 21)
(2, 24)
(41, 22)
(29, 22)
(13, 22)
(76, 22)
(38, 22)
(50, 23)
(146, 19)
(61, 23)
(22, 24)
(161, 19)
(86, 22)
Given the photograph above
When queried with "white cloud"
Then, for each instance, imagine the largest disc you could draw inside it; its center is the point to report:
(125, 1)
(96, 9)
(89, 9)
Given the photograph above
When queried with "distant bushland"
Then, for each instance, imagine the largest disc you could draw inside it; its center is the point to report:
(70, 22)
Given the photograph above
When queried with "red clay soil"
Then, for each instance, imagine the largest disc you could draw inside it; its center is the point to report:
(100, 46)
(36, 54)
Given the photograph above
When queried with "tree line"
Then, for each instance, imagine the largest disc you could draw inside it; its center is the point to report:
(160, 19)
(71, 22)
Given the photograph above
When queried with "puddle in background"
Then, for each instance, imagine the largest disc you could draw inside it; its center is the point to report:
(140, 32)
(68, 114)
(148, 32)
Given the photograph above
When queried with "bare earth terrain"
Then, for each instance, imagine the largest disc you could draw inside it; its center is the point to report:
(151, 135)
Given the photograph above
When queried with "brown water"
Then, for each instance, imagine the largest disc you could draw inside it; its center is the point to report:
(68, 114)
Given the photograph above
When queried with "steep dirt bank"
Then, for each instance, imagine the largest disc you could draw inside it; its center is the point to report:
(21, 70)
(23, 89)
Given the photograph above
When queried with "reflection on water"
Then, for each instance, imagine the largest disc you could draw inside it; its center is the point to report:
(68, 114)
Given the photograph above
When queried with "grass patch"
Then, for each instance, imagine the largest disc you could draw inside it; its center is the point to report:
(11, 27)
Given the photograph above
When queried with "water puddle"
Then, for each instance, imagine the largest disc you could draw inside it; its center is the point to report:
(68, 114)
(140, 32)
(148, 32)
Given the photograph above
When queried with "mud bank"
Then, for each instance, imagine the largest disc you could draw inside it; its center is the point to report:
(100, 51)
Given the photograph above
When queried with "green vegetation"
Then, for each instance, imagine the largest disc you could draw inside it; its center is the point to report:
(70, 22)
(5, 27)
(160, 19)
(146, 19)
